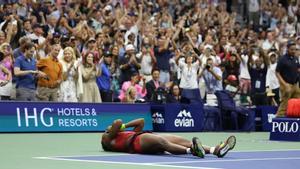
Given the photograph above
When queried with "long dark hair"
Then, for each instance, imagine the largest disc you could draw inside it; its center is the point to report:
(1, 56)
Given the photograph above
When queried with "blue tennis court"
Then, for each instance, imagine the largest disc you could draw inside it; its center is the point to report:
(234, 160)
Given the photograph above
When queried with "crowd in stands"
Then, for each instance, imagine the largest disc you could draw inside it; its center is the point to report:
(142, 50)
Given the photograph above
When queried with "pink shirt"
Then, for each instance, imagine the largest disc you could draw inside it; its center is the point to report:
(138, 88)
(7, 63)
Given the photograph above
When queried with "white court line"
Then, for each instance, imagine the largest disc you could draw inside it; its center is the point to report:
(128, 163)
(161, 164)
(105, 155)
(119, 154)
(230, 160)
(250, 151)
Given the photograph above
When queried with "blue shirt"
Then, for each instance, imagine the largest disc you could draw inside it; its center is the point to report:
(212, 84)
(288, 67)
(104, 81)
(163, 58)
(29, 80)
(258, 79)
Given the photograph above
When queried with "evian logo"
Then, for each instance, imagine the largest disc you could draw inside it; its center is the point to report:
(184, 119)
(157, 118)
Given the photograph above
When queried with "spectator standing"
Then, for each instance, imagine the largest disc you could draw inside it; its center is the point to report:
(253, 8)
(287, 72)
(212, 76)
(129, 64)
(163, 56)
(89, 71)
(38, 39)
(244, 78)
(258, 72)
(48, 87)
(22, 42)
(105, 79)
(189, 76)
(26, 74)
(232, 66)
(68, 89)
(272, 83)
(147, 58)
(5, 76)
(7, 91)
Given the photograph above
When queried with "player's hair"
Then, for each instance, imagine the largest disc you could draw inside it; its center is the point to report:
(104, 146)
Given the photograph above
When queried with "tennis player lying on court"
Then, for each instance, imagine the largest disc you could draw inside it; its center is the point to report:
(117, 139)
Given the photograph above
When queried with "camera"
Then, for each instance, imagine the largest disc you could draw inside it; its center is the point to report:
(35, 41)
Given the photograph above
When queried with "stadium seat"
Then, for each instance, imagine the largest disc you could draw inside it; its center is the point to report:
(239, 118)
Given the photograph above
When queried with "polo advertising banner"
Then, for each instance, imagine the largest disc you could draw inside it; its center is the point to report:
(287, 129)
(177, 117)
(56, 117)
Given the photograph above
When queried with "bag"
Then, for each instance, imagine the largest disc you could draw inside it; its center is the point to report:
(293, 108)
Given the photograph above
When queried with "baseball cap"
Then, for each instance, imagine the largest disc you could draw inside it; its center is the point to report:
(231, 78)
(290, 43)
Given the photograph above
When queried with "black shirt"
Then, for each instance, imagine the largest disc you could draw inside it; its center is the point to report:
(288, 67)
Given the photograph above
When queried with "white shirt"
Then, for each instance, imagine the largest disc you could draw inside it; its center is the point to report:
(253, 6)
(146, 63)
(266, 45)
(244, 71)
(41, 40)
(135, 30)
(271, 79)
(189, 75)
(290, 29)
(216, 59)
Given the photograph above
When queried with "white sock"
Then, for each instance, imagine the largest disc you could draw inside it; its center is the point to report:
(211, 150)
(188, 151)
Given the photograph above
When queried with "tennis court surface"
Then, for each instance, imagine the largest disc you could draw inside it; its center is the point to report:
(82, 150)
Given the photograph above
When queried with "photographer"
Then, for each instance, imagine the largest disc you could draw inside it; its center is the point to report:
(212, 76)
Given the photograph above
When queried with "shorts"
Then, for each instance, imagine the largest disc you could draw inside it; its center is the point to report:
(245, 85)
(135, 144)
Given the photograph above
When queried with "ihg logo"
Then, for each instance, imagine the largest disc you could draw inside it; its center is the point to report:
(31, 116)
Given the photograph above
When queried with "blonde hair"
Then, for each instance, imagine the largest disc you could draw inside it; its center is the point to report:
(128, 97)
(70, 49)
(2, 46)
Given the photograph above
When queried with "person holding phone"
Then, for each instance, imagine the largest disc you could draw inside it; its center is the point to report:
(26, 74)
